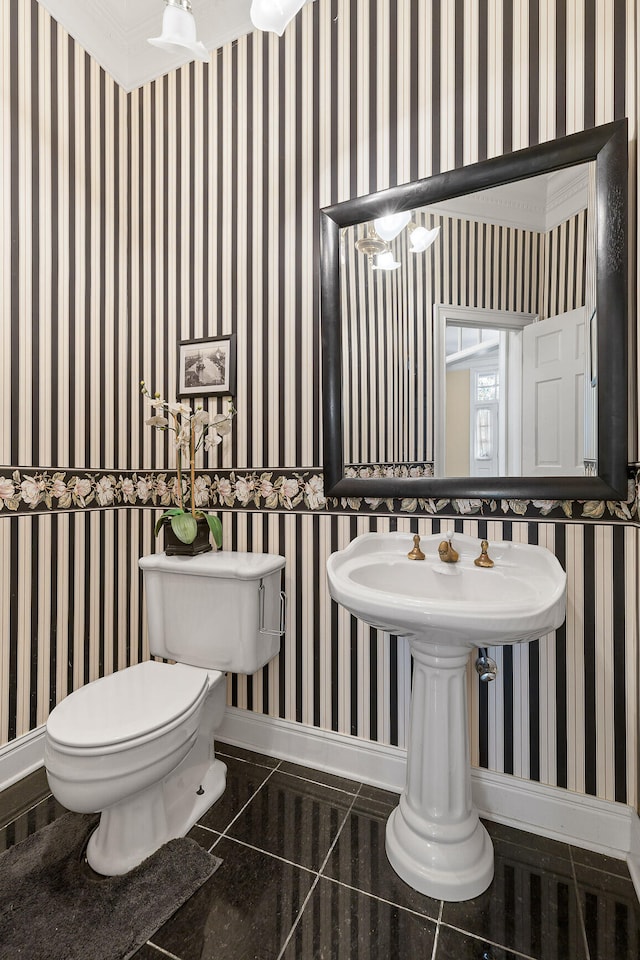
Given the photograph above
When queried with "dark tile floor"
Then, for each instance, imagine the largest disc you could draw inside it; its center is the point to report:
(305, 877)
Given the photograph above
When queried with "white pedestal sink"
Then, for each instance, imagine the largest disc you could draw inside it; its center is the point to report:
(435, 841)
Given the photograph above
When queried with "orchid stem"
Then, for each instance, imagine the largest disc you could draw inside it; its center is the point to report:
(179, 466)
(192, 457)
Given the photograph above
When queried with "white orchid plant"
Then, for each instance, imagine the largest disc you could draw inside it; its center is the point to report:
(193, 429)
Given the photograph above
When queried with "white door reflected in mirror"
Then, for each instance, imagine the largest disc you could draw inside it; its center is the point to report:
(512, 400)
(558, 423)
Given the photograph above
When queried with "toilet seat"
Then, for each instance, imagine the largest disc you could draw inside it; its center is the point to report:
(126, 708)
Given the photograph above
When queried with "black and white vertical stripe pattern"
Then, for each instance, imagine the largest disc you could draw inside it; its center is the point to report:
(66, 328)
(189, 208)
(562, 711)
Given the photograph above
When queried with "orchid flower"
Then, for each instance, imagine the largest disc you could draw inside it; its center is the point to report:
(212, 440)
(192, 429)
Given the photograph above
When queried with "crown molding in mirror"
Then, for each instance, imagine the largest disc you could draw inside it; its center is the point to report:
(28, 491)
(607, 147)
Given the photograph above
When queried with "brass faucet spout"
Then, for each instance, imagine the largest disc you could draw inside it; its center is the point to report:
(446, 552)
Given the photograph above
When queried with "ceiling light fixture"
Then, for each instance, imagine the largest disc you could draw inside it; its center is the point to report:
(274, 15)
(179, 31)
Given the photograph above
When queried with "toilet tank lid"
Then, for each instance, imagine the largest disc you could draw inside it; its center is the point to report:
(223, 564)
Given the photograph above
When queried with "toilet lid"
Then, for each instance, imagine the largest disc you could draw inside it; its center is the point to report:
(125, 705)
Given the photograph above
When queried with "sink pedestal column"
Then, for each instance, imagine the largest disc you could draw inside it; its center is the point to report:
(434, 839)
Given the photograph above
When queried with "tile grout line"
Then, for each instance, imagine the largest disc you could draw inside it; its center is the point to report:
(297, 776)
(165, 953)
(583, 928)
(221, 835)
(319, 783)
(25, 812)
(239, 813)
(374, 896)
(437, 933)
(266, 853)
(517, 954)
(318, 874)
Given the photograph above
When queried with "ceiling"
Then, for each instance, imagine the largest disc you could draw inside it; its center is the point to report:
(538, 203)
(115, 32)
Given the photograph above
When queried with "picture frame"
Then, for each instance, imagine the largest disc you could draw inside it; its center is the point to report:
(207, 367)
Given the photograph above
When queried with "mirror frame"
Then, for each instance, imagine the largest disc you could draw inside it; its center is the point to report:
(607, 146)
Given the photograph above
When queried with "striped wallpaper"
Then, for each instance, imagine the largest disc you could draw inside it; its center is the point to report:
(65, 339)
(563, 710)
(188, 208)
(387, 333)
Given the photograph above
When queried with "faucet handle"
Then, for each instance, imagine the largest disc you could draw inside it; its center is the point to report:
(416, 553)
(484, 560)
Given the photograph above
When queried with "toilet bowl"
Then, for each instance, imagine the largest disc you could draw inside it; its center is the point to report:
(120, 746)
(137, 746)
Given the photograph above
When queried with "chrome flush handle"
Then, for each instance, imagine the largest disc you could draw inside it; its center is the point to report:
(279, 632)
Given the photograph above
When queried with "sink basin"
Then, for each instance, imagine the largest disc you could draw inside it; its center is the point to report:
(521, 597)
(434, 838)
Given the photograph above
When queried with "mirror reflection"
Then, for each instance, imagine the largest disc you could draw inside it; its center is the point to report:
(468, 332)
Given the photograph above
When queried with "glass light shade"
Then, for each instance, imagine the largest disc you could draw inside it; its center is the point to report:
(179, 34)
(421, 238)
(274, 15)
(385, 261)
(389, 227)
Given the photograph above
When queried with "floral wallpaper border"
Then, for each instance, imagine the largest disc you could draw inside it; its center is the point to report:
(389, 469)
(34, 490)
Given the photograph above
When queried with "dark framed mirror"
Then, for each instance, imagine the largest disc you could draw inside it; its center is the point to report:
(477, 347)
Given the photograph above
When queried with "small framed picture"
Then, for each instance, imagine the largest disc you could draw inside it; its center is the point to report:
(207, 368)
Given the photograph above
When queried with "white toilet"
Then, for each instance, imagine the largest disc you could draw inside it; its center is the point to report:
(137, 746)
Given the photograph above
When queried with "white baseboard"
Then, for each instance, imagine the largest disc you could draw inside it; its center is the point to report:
(573, 818)
(633, 857)
(336, 753)
(21, 757)
(600, 825)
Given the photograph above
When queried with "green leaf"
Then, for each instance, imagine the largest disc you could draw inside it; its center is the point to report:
(174, 512)
(185, 527)
(215, 526)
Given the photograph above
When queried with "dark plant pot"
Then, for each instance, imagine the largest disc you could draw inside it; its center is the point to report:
(176, 548)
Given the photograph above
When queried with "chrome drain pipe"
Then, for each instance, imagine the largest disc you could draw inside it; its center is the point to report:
(486, 667)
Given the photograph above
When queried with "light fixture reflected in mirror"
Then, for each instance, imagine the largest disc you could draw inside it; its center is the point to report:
(390, 226)
(371, 244)
(274, 15)
(376, 241)
(179, 31)
(385, 261)
(421, 238)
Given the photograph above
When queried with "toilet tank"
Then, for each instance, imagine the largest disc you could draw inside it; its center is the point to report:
(221, 610)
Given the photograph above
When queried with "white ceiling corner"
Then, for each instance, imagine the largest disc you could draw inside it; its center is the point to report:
(115, 32)
(538, 203)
